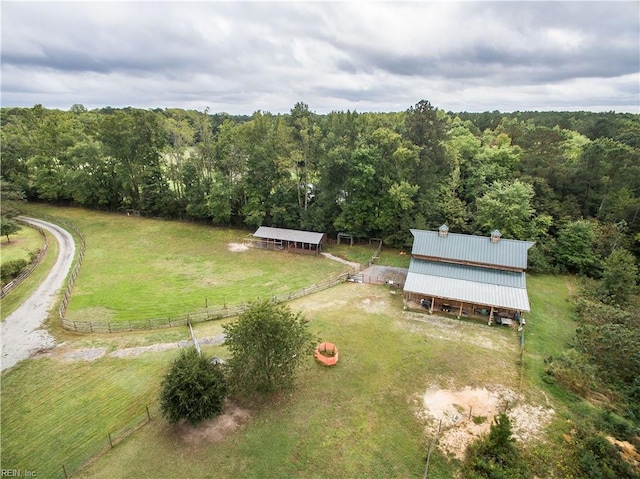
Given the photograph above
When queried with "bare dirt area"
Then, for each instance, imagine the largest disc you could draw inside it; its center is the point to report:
(213, 430)
(449, 329)
(237, 247)
(468, 413)
(91, 354)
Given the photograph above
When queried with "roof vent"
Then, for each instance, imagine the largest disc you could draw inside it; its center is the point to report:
(443, 231)
(495, 236)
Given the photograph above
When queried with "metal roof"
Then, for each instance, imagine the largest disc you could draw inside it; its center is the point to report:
(471, 248)
(283, 234)
(468, 291)
(469, 273)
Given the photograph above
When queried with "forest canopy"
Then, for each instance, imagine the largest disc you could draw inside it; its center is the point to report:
(568, 180)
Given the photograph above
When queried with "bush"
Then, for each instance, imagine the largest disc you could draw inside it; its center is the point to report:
(12, 269)
(495, 456)
(194, 389)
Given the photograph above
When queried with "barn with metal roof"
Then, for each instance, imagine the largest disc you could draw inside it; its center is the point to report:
(282, 239)
(468, 275)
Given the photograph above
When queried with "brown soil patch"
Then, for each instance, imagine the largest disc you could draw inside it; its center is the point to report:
(213, 430)
(237, 247)
(468, 413)
(628, 451)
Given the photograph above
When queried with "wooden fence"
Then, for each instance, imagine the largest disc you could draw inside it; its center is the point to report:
(74, 274)
(197, 317)
(15, 282)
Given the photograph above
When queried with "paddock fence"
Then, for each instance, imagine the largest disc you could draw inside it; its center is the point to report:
(208, 314)
(15, 282)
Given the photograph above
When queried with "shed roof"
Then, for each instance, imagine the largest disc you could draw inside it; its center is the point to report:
(472, 292)
(477, 274)
(283, 234)
(471, 248)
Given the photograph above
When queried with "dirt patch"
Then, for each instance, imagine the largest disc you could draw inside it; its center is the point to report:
(373, 305)
(628, 451)
(468, 413)
(214, 430)
(237, 247)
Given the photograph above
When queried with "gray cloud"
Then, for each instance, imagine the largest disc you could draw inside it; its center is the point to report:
(239, 57)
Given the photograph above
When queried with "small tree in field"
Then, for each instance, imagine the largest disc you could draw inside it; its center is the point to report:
(495, 455)
(267, 344)
(193, 389)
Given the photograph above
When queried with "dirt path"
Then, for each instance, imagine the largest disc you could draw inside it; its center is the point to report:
(340, 260)
(21, 332)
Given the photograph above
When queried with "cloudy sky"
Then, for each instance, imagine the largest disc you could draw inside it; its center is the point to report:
(239, 57)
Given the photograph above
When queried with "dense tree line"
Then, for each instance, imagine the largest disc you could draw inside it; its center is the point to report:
(568, 180)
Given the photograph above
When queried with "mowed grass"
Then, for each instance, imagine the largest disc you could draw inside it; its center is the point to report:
(17, 296)
(550, 324)
(357, 419)
(57, 412)
(22, 243)
(139, 268)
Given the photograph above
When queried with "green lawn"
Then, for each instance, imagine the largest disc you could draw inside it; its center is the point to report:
(550, 325)
(358, 419)
(17, 296)
(22, 243)
(138, 268)
(58, 413)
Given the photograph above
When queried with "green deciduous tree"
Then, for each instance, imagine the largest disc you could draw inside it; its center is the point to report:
(268, 343)
(193, 390)
(619, 276)
(506, 207)
(8, 227)
(575, 246)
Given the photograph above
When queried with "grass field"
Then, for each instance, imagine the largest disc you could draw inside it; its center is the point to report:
(138, 268)
(22, 243)
(16, 297)
(358, 419)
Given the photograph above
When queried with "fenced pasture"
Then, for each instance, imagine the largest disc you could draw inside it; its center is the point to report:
(10, 302)
(58, 414)
(26, 240)
(30, 239)
(138, 268)
(360, 418)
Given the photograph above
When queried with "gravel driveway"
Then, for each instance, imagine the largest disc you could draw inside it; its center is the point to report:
(21, 332)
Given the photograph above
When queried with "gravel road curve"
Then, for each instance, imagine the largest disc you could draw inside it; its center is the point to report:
(21, 332)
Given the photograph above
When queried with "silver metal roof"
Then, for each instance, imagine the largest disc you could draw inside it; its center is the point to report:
(283, 234)
(471, 248)
(468, 291)
(469, 273)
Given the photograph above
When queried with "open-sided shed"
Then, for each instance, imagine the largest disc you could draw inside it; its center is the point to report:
(282, 239)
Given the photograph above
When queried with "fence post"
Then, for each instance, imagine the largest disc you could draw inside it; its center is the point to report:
(110, 441)
(65, 472)
(148, 415)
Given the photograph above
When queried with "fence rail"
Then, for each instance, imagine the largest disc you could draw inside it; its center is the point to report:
(15, 282)
(196, 317)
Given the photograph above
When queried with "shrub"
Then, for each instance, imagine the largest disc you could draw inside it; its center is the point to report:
(12, 269)
(194, 389)
(495, 456)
